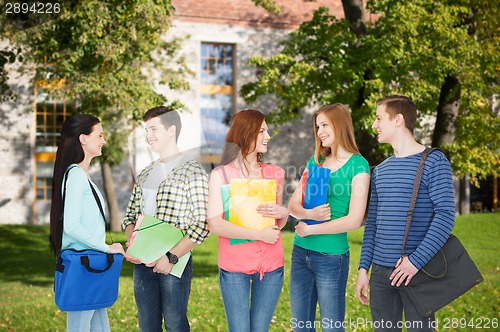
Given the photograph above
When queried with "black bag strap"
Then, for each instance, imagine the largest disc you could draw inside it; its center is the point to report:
(86, 262)
(413, 201)
(99, 204)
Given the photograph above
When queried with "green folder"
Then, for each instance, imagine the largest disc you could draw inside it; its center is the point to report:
(225, 200)
(152, 238)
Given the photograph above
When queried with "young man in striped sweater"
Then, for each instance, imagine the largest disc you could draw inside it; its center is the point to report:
(391, 190)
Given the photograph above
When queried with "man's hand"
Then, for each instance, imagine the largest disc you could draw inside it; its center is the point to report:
(363, 287)
(133, 260)
(404, 270)
(162, 265)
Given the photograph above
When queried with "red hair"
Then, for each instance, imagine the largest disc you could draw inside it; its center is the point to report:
(242, 135)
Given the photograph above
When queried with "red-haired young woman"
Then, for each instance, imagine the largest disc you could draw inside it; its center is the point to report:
(253, 269)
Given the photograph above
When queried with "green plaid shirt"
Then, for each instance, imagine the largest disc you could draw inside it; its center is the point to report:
(181, 199)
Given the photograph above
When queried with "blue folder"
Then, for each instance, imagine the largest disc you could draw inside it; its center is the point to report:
(316, 189)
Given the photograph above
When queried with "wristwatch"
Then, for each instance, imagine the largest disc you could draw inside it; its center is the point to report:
(172, 258)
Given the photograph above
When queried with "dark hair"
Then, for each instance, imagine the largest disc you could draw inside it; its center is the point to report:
(242, 135)
(403, 105)
(168, 117)
(69, 152)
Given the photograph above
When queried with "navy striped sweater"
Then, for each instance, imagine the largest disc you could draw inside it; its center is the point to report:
(433, 219)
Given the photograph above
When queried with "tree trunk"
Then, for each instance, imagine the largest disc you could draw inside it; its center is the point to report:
(354, 13)
(445, 131)
(464, 195)
(447, 113)
(495, 194)
(109, 190)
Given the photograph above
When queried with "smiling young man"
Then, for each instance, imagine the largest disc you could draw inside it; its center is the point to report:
(391, 190)
(173, 189)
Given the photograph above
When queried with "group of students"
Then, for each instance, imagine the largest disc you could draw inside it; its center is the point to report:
(177, 190)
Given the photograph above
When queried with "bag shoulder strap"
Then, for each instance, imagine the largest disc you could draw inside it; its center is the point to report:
(413, 201)
(93, 192)
(226, 181)
(99, 204)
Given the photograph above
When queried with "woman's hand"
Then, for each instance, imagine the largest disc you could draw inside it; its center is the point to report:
(320, 213)
(302, 229)
(115, 248)
(273, 210)
(270, 234)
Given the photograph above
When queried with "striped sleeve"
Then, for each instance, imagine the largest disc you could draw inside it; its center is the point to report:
(438, 179)
(368, 245)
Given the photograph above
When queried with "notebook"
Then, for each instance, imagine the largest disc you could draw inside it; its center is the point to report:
(152, 238)
(244, 197)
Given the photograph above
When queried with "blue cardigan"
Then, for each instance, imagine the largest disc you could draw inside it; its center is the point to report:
(84, 226)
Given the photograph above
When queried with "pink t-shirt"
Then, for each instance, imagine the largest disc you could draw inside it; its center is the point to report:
(251, 257)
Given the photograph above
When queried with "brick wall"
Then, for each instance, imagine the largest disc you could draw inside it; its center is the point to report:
(246, 13)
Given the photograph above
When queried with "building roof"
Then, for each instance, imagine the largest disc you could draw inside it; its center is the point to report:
(246, 13)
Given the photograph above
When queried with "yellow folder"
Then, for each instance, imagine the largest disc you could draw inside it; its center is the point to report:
(245, 196)
(152, 238)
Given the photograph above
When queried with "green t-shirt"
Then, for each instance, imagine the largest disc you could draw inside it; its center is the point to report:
(339, 195)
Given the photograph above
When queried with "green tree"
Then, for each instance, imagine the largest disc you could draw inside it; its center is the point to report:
(105, 53)
(443, 54)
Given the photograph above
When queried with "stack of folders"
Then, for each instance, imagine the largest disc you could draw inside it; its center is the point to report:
(315, 185)
(241, 198)
(152, 238)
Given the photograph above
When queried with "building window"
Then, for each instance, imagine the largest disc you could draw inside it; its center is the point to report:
(217, 98)
(49, 116)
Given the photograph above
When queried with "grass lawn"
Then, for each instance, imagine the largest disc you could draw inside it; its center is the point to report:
(27, 270)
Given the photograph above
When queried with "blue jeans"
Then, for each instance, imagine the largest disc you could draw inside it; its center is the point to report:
(318, 278)
(247, 312)
(387, 304)
(88, 320)
(158, 294)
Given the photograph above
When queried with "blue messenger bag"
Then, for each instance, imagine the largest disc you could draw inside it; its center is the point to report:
(86, 279)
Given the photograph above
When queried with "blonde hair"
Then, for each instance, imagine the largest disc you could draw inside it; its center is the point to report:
(340, 119)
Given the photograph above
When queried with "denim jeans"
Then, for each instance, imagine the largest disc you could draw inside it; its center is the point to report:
(387, 304)
(88, 321)
(318, 278)
(158, 294)
(249, 302)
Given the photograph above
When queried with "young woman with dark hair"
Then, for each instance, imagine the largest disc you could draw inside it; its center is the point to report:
(82, 138)
(250, 273)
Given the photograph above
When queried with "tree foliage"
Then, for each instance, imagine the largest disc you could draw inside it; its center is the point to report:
(411, 48)
(269, 5)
